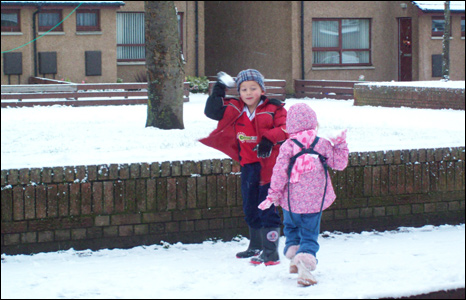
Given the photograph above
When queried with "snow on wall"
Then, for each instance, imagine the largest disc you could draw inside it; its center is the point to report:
(420, 94)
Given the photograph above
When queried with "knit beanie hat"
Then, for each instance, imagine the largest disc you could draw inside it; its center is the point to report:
(250, 75)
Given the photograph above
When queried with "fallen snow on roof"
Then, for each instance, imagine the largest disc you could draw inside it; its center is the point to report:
(439, 5)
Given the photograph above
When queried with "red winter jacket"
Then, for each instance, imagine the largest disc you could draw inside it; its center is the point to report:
(270, 122)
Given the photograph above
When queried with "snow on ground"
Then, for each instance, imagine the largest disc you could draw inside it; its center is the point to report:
(409, 261)
(405, 262)
(69, 136)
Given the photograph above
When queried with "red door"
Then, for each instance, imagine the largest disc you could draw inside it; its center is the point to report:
(405, 59)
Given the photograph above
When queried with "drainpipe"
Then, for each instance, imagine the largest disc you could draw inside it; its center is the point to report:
(34, 38)
(196, 40)
(303, 75)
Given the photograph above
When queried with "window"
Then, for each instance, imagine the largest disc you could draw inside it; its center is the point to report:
(88, 20)
(130, 36)
(462, 26)
(341, 42)
(49, 18)
(10, 20)
(438, 26)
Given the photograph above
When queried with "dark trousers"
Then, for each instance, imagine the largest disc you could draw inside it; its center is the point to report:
(253, 194)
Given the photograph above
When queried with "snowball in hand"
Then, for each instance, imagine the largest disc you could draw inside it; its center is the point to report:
(226, 79)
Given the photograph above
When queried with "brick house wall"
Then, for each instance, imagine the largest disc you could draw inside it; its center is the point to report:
(108, 206)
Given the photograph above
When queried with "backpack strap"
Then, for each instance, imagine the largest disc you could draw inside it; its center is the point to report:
(303, 151)
(322, 159)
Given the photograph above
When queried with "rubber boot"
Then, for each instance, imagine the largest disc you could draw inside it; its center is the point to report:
(290, 254)
(306, 263)
(269, 256)
(255, 244)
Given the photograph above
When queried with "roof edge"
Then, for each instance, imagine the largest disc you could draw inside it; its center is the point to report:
(62, 3)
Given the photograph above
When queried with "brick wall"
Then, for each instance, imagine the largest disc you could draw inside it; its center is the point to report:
(106, 206)
(417, 97)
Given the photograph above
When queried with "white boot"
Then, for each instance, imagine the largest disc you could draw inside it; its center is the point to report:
(290, 254)
(306, 263)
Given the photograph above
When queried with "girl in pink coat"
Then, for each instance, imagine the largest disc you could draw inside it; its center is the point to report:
(307, 186)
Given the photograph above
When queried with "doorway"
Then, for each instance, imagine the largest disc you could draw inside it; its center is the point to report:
(405, 59)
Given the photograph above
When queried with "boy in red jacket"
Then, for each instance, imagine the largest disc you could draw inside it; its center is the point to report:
(250, 130)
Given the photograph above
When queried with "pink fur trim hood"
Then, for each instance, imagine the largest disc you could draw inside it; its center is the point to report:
(301, 123)
(300, 117)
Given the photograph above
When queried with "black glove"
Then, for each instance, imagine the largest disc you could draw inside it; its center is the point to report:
(264, 148)
(219, 89)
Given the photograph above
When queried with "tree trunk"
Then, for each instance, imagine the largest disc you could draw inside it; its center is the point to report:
(446, 44)
(165, 72)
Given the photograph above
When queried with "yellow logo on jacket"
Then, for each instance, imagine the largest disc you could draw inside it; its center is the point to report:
(243, 138)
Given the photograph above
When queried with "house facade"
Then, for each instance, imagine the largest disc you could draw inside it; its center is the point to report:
(61, 53)
(326, 40)
(98, 41)
(191, 24)
(103, 41)
(430, 19)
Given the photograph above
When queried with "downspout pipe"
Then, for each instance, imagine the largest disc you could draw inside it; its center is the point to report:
(34, 33)
(303, 75)
(196, 41)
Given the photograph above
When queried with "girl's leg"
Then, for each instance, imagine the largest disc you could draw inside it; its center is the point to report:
(305, 258)
(306, 263)
(293, 238)
(290, 230)
(309, 232)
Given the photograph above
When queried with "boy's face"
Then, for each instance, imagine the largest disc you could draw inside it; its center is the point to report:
(250, 92)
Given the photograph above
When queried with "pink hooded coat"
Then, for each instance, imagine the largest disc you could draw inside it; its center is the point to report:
(308, 175)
